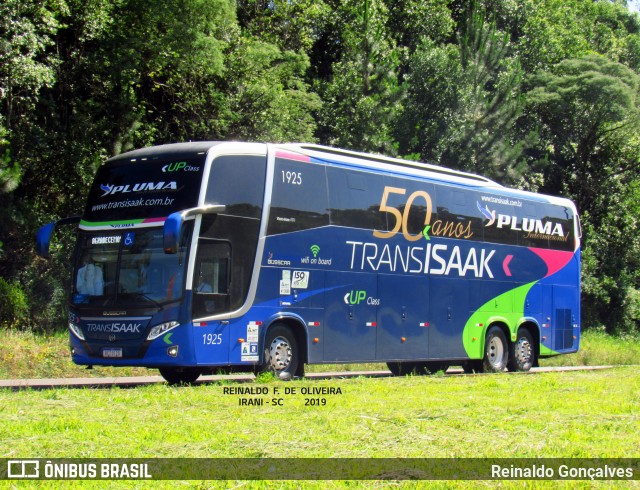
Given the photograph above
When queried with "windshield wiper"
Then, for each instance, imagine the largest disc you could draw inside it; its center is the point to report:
(131, 295)
(149, 298)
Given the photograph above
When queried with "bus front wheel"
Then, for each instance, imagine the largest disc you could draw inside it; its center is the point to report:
(496, 351)
(176, 376)
(281, 353)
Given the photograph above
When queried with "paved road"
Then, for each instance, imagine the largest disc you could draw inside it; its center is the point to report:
(131, 381)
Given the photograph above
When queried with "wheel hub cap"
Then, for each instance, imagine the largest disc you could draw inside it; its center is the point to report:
(523, 350)
(496, 351)
(280, 354)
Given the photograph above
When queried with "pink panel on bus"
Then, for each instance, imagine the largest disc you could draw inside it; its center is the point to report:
(555, 259)
(292, 156)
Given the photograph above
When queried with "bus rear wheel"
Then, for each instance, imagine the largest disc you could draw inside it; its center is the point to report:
(281, 353)
(176, 376)
(496, 351)
(522, 352)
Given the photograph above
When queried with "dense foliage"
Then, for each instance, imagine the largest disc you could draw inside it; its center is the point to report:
(539, 94)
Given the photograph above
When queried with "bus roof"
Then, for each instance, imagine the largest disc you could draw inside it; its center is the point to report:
(168, 149)
(380, 162)
(364, 161)
(444, 175)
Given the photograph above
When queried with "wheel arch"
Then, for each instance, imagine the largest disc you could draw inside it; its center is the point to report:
(502, 324)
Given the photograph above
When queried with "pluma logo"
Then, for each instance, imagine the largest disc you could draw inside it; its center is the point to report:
(109, 189)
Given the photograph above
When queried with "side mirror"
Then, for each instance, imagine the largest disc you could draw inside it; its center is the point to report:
(43, 238)
(173, 225)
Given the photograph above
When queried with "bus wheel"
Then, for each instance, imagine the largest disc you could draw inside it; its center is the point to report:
(281, 351)
(496, 351)
(521, 352)
(176, 376)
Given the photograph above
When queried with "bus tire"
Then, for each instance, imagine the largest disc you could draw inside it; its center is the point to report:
(281, 352)
(177, 376)
(496, 351)
(522, 353)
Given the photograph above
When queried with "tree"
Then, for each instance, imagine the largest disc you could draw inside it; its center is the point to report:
(549, 31)
(27, 66)
(362, 100)
(85, 80)
(412, 22)
(266, 98)
(464, 101)
(10, 171)
(438, 80)
(27, 30)
(433, 99)
(589, 116)
(151, 71)
(581, 106)
(611, 260)
(290, 25)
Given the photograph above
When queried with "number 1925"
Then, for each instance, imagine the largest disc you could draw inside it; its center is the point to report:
(293, 178)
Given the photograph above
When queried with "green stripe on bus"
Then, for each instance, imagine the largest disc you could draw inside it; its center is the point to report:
(507, 308)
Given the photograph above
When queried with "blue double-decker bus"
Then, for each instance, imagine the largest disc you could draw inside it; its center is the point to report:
(193, 257)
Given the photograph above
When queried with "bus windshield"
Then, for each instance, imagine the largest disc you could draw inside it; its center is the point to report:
(126, 268)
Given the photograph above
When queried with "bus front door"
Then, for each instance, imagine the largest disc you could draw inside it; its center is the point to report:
(212, 296)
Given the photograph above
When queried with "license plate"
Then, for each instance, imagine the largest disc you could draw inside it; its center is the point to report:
(112, 352)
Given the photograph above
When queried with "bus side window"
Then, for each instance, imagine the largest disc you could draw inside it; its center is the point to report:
(299, 200)
(212, 278)
(354, 199)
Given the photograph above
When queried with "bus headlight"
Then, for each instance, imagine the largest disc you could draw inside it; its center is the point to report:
(77, 331)
(158, 330)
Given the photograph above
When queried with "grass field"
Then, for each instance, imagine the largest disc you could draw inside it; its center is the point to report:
(550, 415)
(577, 414)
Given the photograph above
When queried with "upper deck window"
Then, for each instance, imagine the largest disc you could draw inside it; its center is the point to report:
(144, 188)
(237, 181)
(299, 199)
